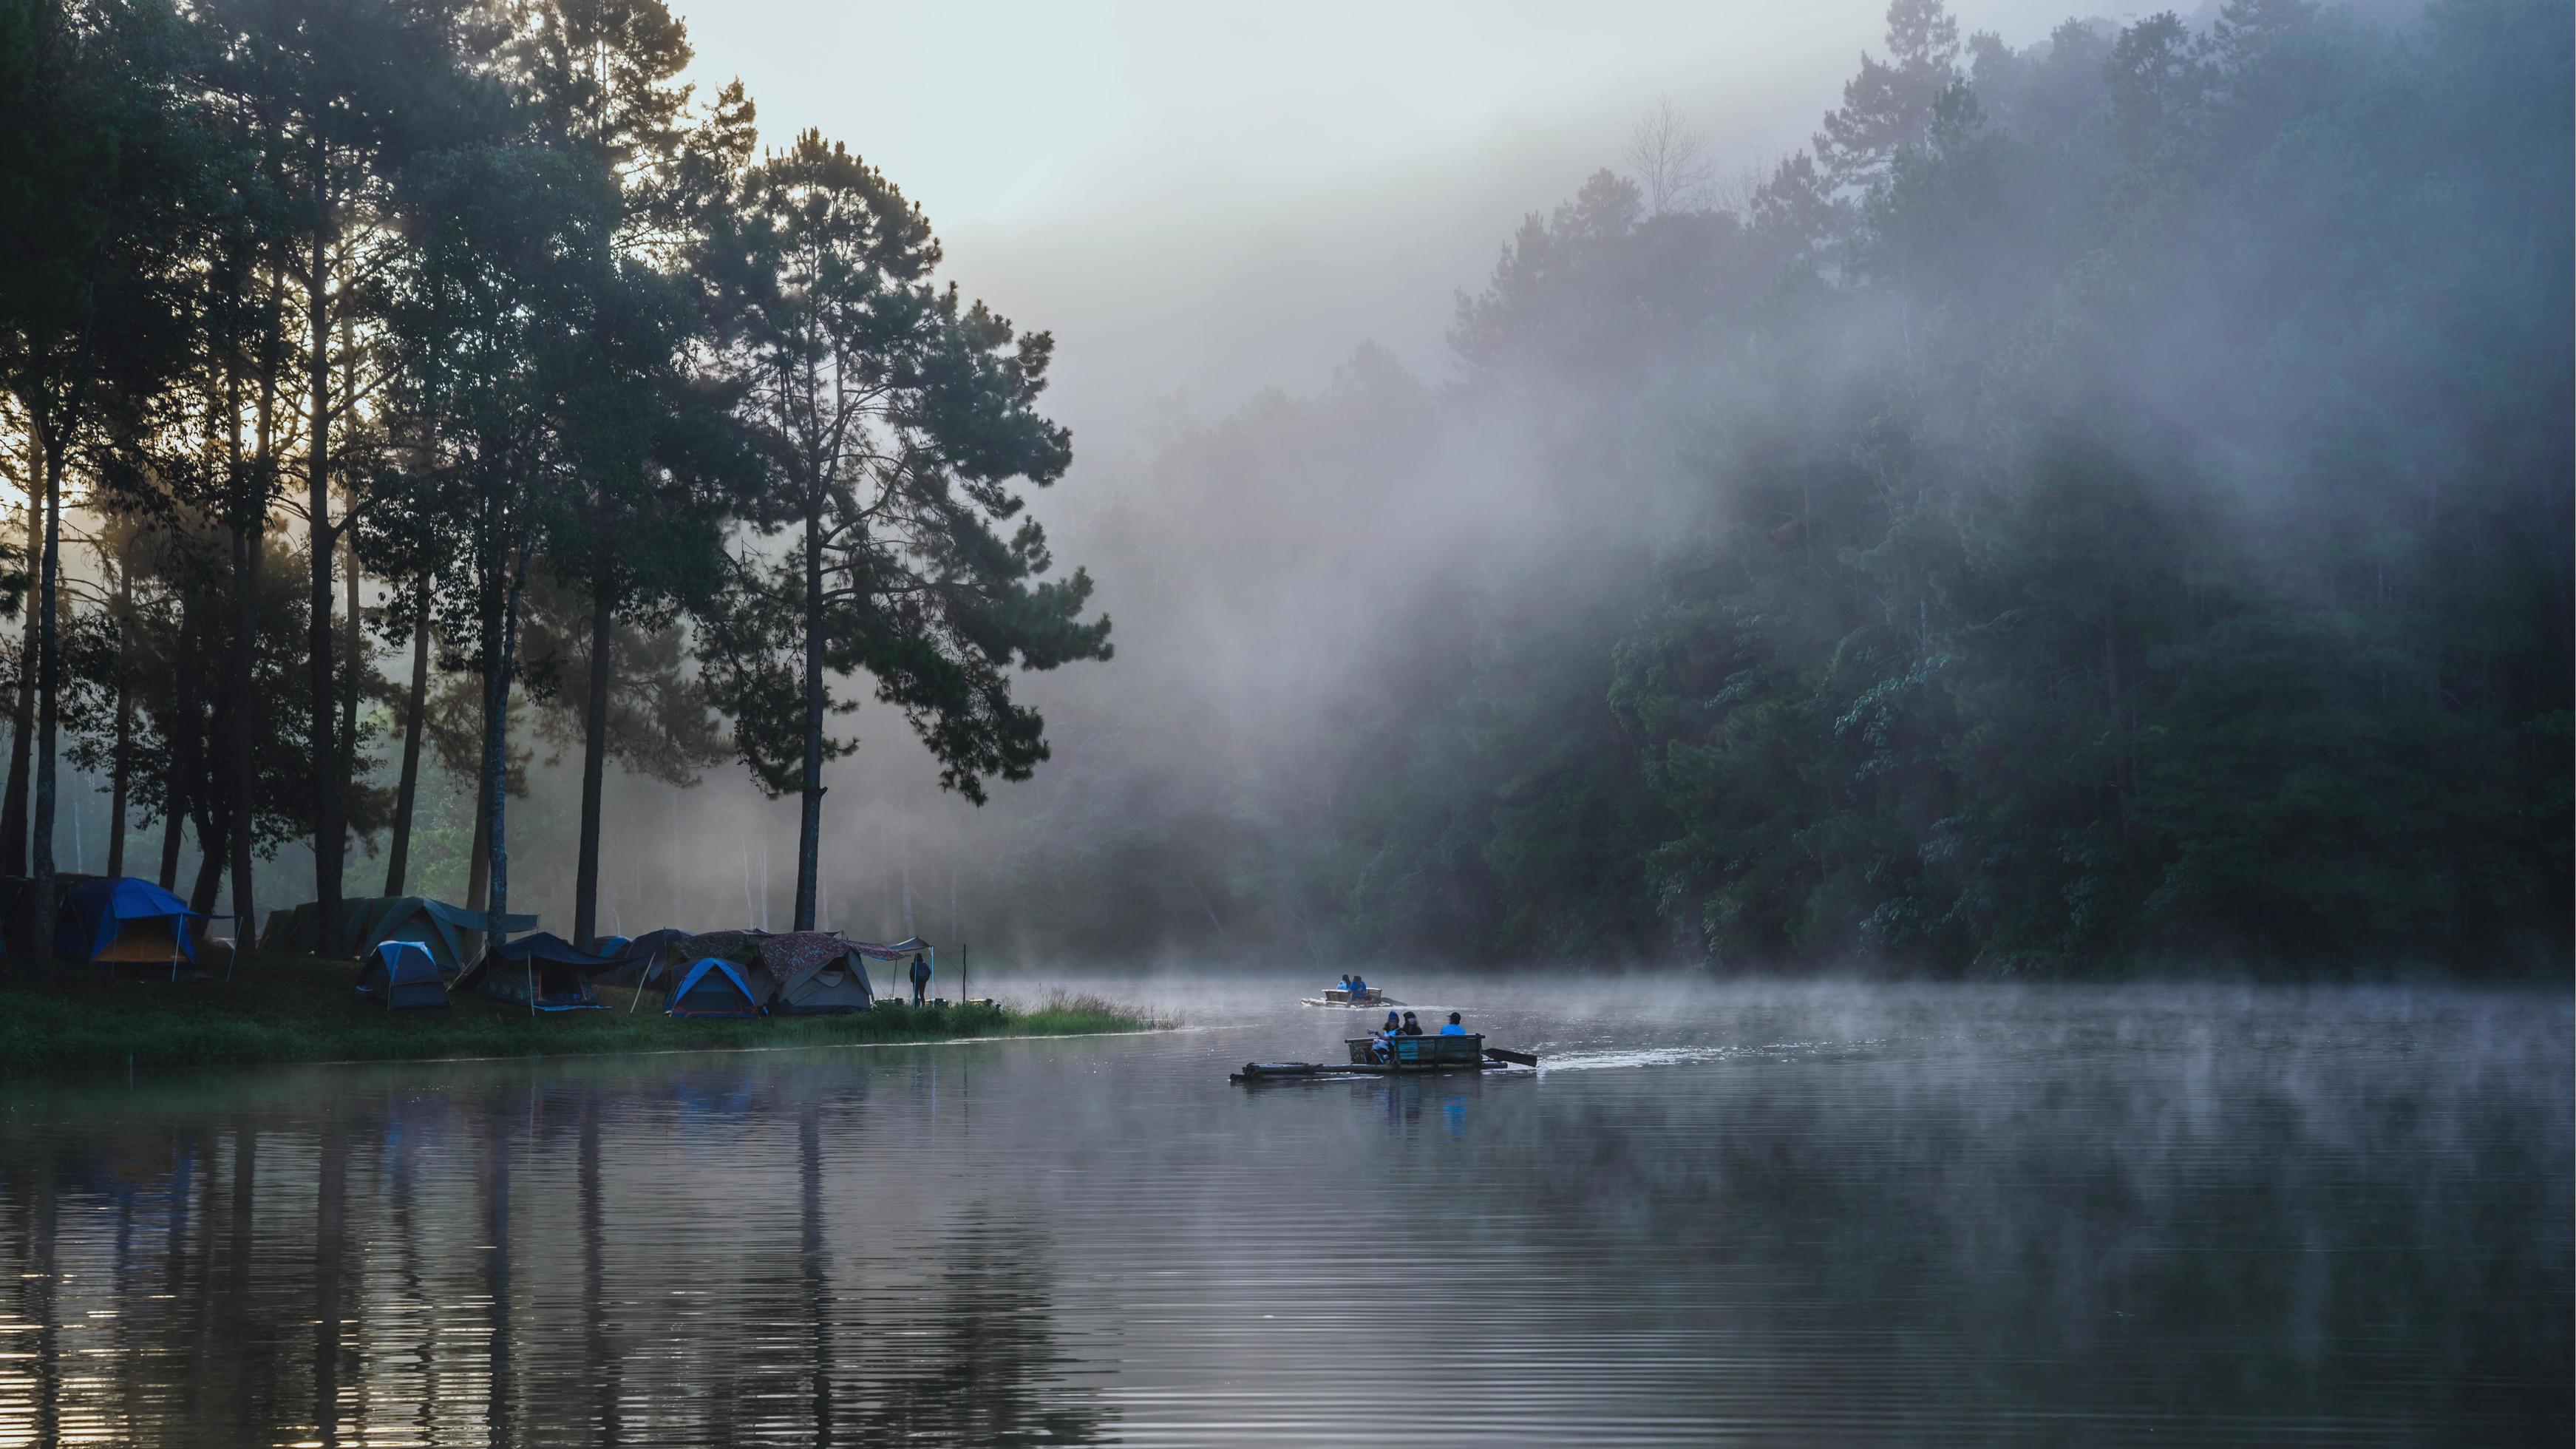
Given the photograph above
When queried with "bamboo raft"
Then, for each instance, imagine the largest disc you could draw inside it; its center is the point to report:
(1335, 996)
(1414, 1055)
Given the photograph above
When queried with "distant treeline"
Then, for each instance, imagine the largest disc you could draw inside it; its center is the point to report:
(2105, 504)
(464, 331)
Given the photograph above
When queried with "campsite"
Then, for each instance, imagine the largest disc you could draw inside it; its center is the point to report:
(135, 982)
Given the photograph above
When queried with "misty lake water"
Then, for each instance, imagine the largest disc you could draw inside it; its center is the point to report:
(1772, 1214)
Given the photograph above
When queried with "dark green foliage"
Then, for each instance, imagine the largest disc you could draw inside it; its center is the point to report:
(2110, 507)
(897, 422)
(2189, 573)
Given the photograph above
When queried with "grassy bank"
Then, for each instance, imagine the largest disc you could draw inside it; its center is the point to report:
(58, 1017)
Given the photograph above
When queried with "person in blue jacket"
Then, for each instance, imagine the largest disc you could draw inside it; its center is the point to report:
(1453, 1028)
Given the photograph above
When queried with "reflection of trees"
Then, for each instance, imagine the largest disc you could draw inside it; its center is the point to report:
(990, 1370)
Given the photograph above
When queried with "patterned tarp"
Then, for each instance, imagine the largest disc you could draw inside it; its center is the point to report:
(792, 955)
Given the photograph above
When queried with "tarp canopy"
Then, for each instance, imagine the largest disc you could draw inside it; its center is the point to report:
(547, 948)
(124, 919)
(451, 933)
(903, 951)
(402, 974)
(713, 987)
(637, 958)
(899, 955)
(542, 970)
(669, 954)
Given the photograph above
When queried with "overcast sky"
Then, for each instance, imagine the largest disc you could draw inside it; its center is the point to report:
(1205, 198)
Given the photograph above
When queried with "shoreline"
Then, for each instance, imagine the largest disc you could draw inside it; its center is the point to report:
(60, 1019)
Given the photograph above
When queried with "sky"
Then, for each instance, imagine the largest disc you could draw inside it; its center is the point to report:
(1200, 200)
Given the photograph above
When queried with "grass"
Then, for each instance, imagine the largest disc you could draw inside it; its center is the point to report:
(59, 1017)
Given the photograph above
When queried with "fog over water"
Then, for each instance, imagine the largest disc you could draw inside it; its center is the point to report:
(1775, 1213)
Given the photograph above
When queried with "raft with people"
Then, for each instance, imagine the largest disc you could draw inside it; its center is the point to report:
(1354, 992)
(1400, 1052)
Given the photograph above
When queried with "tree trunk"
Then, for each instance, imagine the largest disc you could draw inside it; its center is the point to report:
(325, 779)
(184, 744)
(399, 853)
(594, 767)
(242, 710)
(478, 870)
(496, 742)
(352, 671)
(809, 825)
(211, 826)
(48, 672)
(22, 743)
(120, 766)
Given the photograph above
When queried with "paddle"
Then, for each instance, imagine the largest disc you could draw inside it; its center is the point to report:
(1506, 1054)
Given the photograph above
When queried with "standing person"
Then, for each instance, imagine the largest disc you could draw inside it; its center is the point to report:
(920, 978)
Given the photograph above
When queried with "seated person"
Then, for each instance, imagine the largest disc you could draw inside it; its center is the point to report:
(1411, 1026)
(1453, 1028)
(1346, 983)
(1359, 988)
(1382, 1040)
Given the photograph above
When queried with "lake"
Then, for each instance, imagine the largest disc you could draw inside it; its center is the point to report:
(1758, 1213)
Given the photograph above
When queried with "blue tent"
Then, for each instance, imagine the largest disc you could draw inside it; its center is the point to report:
(401, 974)
(713, 987)
(124, 919)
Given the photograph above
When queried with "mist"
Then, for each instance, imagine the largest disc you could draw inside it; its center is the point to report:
(2103, 508)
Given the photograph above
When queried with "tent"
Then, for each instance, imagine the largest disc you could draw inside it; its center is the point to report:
(713, 988)
(810, 973)
(543, 972)
(124, 919)
(401, 974)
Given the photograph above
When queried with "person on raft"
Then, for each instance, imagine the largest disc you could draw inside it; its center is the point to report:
(1454, 1028)
(1358, 989)
(920, 978)
(1382, 1040)
(1411, 1026)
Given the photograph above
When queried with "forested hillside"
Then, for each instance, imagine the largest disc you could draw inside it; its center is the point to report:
(2107, 503)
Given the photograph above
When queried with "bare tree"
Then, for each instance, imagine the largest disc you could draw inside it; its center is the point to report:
(1670, 160)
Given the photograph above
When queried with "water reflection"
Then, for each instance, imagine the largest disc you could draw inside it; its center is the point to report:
(525, 1255)
(1905, 1217)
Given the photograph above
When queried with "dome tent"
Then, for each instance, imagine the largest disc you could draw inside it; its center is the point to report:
(543, 972)
(124, 919)
(402, 974)
(712, 987)
(809, 973)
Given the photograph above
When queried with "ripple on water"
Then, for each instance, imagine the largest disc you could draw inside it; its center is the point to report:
(1764, 1214)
